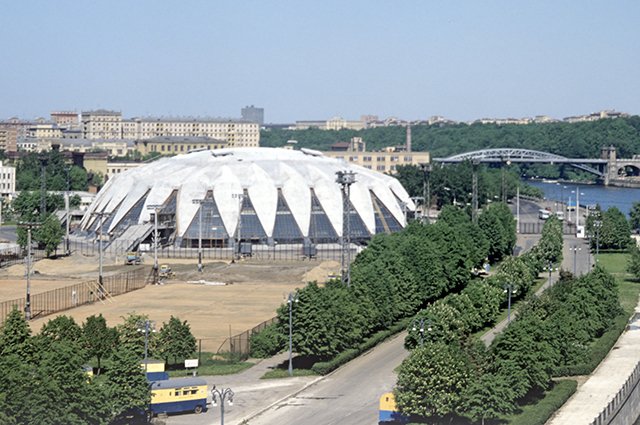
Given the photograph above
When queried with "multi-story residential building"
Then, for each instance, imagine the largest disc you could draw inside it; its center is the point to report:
(7, 180)
(114, 167)
(44, 131)
(253, 114)
(11, 131)
(110, 125)
(65, 119)
(101, 124)
(385, 161)
(177, 145)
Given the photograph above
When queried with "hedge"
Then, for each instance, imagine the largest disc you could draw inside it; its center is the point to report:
(323, 368)
(539, 413)
(597, 352)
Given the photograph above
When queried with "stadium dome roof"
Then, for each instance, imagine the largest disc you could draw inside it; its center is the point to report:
(286, 195)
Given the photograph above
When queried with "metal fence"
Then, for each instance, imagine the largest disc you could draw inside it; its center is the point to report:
(15, 255)
(239, 346)
(71, 296)
(608, 414)
(258, 251)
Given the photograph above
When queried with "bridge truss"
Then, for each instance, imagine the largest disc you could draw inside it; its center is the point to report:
(512, 155)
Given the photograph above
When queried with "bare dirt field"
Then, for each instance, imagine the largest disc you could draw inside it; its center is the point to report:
(253, 292)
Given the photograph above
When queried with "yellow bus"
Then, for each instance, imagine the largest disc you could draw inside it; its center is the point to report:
(178, 395)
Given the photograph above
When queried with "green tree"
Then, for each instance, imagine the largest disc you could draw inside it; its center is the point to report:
(131, 334)
(487, 397)
(50, 234)
(175, 340)
(61, 329)
(15, 336)
(127, 388)
(98, 339)
(432, 379)
(634, 215)
(615, 231)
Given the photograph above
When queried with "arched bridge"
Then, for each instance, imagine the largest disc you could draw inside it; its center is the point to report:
(512, 155)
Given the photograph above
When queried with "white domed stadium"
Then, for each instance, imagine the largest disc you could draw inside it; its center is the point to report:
(258, 195)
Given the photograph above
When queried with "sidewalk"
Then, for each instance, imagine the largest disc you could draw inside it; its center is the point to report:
(603, 384)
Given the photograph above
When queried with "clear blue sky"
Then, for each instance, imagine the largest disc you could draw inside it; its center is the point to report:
(318, 59)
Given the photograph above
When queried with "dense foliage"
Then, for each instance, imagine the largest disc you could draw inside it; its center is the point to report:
(609, 229)
(59, 176)
(578, 140)
(43, 377)
(551, 332)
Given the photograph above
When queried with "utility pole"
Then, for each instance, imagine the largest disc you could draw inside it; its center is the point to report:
(101, 215)
(518, 209)
(43, 185)
(345, 179)
(66, 207)
(27, 306)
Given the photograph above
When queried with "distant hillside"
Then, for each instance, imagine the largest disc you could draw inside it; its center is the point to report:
(578, 140)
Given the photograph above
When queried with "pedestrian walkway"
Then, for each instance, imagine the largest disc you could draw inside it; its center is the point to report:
(603, 384)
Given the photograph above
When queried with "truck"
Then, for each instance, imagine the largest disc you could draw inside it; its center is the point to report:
(132, 258)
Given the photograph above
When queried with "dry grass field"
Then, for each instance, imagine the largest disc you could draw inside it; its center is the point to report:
(253, 292)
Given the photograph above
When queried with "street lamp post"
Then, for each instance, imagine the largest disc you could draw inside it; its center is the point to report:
(199, 202)
(147, 327)
(222, 394)
(420, 322)
(509, 289)
(597, 224)
(550, 270)
(292, 298)
(575, 250)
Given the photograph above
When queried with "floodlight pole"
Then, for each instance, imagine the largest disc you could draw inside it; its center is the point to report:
(293, 298)
(199, 202)
(156, 208)
(240, 197)
(345, 179)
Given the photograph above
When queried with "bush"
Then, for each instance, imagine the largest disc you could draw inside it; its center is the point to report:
(539, 413)
(267, 342)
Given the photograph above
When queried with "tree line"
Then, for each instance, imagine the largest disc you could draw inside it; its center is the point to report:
(451, 374)
(43, 376)
(395, 277)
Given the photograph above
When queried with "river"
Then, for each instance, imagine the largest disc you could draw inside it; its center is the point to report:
(606, 196)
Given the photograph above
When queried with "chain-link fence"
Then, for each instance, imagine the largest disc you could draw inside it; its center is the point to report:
(276, 252)
(71, 296)
(236, 346)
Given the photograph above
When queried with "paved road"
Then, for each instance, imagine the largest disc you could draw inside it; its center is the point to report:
(349, 396)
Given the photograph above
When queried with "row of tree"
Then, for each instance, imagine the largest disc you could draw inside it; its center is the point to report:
(392, 279)
(460, 376)
(43, 377)
(575, 140)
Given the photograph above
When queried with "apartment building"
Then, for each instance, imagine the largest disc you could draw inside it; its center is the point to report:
(103, 124)
(175, 145)
(385, 161)
(7, 180)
